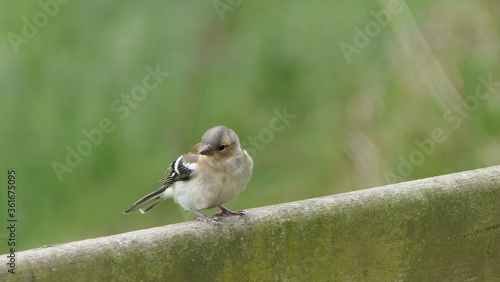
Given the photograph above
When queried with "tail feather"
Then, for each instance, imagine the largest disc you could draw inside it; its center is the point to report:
(149, 201)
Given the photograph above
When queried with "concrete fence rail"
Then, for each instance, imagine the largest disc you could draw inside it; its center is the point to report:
(437, 229)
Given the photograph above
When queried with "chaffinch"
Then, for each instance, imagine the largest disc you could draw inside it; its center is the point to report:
(209, 174)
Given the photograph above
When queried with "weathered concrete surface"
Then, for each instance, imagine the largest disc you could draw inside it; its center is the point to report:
(436, 229)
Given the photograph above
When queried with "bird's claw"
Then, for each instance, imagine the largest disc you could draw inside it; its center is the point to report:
(226, 212)
(209, 219)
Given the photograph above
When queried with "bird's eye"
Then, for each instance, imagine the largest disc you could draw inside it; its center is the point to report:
(222, 147)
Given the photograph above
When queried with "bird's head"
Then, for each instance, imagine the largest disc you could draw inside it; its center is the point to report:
(220, 142)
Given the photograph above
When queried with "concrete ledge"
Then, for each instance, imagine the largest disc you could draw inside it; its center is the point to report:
(440, 228)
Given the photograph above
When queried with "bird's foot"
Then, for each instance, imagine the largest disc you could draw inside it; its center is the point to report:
(227, 212)
(205, 218)
(208, 219)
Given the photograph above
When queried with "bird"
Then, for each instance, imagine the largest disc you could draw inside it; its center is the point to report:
(209, 174)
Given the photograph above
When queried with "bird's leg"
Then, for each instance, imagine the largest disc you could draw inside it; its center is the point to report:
(205, 218)
(226, 211)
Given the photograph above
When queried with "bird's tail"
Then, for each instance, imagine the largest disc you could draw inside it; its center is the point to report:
(149, 201)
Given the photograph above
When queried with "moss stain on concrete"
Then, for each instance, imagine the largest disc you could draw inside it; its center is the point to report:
(437, 229)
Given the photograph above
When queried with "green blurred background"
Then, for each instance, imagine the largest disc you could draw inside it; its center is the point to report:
(358, 117)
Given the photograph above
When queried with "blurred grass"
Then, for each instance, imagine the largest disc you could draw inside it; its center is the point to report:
(353, 121)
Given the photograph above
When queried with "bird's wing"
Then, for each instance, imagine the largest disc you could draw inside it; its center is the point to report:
(180, 170)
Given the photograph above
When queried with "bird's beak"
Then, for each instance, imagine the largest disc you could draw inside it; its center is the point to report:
(206, 150)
